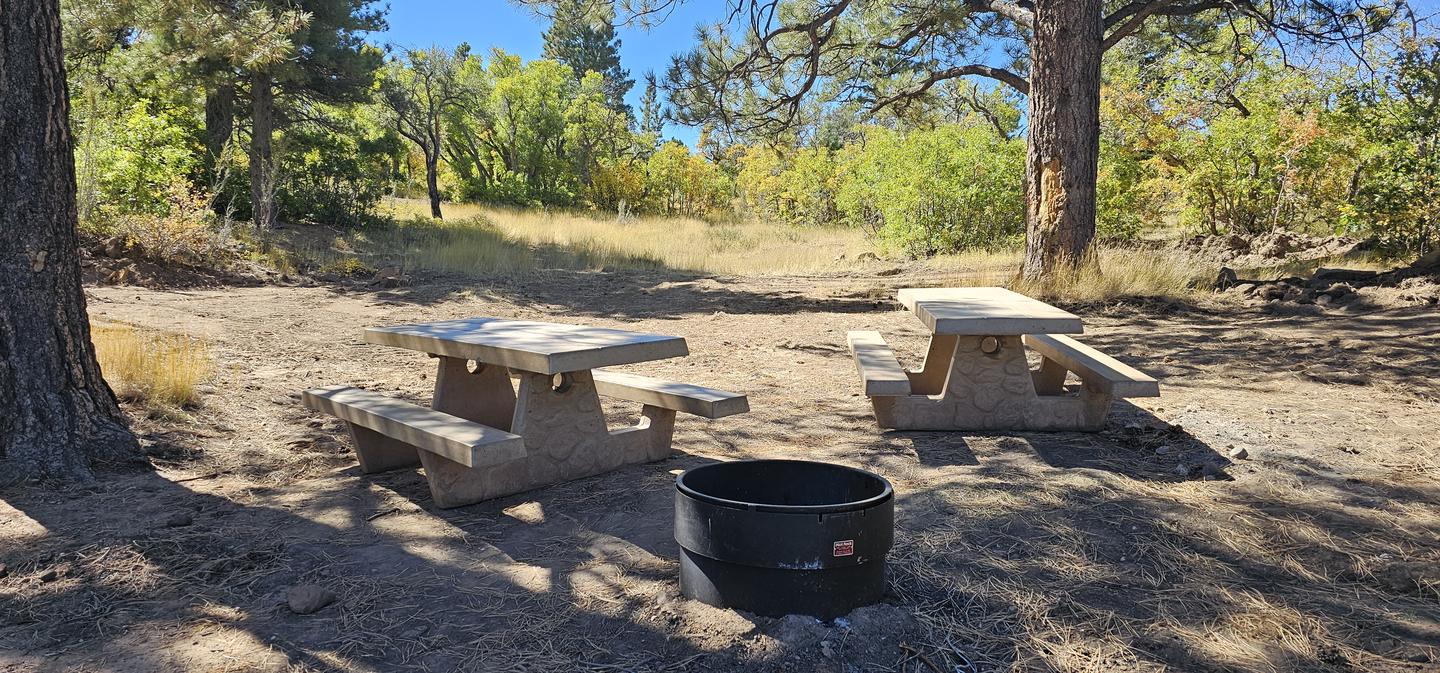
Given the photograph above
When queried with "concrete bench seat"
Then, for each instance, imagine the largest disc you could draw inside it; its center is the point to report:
(1096, 370)
(672, 395)
(383, 428)
(878, 367)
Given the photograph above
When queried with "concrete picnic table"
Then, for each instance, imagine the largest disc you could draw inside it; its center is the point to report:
(483, 437)
(975, 375)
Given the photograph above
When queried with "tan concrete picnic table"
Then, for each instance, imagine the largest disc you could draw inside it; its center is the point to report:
(976, 376)
(484, 437)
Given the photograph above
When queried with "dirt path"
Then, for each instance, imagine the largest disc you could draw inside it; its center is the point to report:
(1064, 552)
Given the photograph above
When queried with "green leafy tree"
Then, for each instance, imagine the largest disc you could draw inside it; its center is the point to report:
(758, 70)
(594, 132)
(1397, 189)
(680, 183)
(415, 94)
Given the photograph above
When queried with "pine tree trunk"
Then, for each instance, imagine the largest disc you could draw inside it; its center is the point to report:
(57, 415)
(432, 181)
(1063, 149)
(219, 122)
(262, 167)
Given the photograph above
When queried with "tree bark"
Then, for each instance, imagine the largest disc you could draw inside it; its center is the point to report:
(57, 415)
(432, 180)
(219, 122)
(219, 128)
(1063, 148)
(262, 167)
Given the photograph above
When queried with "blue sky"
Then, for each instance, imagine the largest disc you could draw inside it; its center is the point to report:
(498, 23)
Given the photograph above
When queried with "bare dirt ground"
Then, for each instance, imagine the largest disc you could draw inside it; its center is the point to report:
(1141, 548)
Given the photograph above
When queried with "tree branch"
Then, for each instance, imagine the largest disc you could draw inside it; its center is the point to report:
(1133, 16)
(1020, 12)
(999, 74)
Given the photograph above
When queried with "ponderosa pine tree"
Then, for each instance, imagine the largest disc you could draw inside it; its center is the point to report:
(652, 115)
(758, 70)
(332, 64)
(582, 36)
(57, 415)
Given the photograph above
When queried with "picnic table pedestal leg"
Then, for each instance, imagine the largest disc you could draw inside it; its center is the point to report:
(378, 453)
(563, 427)
(483, 396)
(930, 378)
(989, 386)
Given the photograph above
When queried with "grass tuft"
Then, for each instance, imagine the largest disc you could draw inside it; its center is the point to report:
(155, 369)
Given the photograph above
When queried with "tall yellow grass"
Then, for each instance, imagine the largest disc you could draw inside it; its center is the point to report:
(483, 237)
(486, 239)
(1118, 272)
(152, 368)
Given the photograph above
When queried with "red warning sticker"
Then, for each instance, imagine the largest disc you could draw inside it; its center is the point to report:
(844, 548)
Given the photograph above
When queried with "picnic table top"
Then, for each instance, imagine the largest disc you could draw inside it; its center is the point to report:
(532, 346)
(986, 311)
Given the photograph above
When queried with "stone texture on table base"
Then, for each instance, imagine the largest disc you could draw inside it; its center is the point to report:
(991, 391)
(564, 430)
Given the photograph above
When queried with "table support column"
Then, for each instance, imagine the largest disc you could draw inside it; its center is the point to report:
(930, 378)
(989, 386)
(561, 421)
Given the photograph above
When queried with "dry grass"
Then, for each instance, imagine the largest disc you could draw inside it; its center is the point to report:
(152, 368)
(483, 237)
(478, 239)
(1120, 272)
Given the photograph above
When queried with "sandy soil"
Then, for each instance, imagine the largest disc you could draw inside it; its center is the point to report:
(1141, 548)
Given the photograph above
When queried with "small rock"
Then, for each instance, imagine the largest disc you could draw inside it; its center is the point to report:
(1338, 290)
(1272, 291)
(1239, 453)
(1183, 469)
(305, 599)
(1162, 449)
(179, 519)
(50, 575)
(827, 648)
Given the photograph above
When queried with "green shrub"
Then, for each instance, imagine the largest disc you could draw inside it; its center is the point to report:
(934, 191)
(135, 159)
(331, 177)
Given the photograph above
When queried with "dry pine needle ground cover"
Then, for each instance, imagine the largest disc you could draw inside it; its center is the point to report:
(1142, 548)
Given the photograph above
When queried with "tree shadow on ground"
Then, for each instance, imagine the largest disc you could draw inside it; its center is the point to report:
(1011, 560)
(1030, 569)
(466, 589)
(1135, 444)
(1394, 346)
(625, 295)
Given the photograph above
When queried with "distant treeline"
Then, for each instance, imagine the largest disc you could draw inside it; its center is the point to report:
(289, 105)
